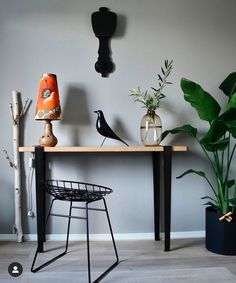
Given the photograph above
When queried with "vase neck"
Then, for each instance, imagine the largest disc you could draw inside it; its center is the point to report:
(151, 113)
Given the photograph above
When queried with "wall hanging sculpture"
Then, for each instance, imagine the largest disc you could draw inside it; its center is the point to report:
(104, 26)
(104, 129)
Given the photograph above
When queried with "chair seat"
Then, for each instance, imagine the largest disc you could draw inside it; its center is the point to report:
(75, 191)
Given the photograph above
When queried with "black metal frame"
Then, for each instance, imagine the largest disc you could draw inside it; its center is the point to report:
(77, 195)
(159, 178)
(162, 178)
(167, 195)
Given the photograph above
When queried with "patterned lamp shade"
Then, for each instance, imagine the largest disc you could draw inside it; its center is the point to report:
(48, 103)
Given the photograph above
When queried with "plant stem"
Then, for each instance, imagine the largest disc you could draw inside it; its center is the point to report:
(233, 208)
(216, 155)
(216, 170)
(227, 174)
(221, 196)
(217, 197)
(222, 161)
(229, 160)
(207, 156)
(221, 188)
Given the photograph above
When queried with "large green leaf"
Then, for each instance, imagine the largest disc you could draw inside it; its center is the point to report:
(217, 145)
(206, 106)
(230, 183)
(192, 171)
(232, 101)
(229, 119)
(185, 129)
(233, 202)
(208, 197)
(229, 115)
(212, 204)
(231, 128)
(228, 86)
(225, 122)
(212, 140)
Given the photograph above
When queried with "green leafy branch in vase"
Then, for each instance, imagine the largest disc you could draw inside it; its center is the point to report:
(151, 101)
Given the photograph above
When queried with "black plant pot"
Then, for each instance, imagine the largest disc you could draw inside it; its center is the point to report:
(220, 235)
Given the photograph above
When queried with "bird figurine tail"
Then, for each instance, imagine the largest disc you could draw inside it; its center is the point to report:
(104, 129)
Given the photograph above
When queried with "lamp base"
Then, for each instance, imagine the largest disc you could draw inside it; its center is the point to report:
(48, 139)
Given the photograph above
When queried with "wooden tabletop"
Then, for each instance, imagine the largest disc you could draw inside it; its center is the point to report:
(103, 148)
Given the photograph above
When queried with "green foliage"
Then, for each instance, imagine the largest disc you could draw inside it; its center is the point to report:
(152, 101)
(206, 106)
(218, 143)
(228, 86)
(185, 129)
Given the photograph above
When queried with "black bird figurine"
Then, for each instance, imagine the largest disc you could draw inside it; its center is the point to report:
(104, 129)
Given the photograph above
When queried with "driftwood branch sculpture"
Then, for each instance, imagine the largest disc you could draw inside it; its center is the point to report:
(16, 116)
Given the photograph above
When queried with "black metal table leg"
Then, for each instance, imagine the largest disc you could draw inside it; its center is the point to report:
(167, 194)
(40, 195)
(156, 191)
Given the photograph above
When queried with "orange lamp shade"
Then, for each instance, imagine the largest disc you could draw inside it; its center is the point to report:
(48, 103)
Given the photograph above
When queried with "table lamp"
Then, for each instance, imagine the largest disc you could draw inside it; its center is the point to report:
(48, 107)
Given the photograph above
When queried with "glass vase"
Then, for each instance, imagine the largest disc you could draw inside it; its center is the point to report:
(150, 129)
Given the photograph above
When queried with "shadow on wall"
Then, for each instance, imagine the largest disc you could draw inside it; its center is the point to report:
(121, 26)
(75, 112)
(121, 131)
(119, 33)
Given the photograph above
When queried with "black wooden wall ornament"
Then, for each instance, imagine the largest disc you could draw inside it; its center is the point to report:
(104, 26)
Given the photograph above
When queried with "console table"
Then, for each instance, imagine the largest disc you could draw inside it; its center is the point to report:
(159, 177)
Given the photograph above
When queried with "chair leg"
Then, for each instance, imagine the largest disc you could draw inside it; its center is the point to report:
(67, 239)
(68, 227)
(88, 243)
(112, 236)
(88, 247)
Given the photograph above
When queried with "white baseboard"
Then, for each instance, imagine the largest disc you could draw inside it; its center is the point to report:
(103, 237)
(187, 234)
(8, 237)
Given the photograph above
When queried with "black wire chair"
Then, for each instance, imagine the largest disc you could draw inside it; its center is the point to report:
(72, 191)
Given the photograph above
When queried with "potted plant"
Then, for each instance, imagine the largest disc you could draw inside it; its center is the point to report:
(151, 125)
(218, 145)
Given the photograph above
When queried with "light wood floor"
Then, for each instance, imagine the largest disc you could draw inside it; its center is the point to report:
(140, 262)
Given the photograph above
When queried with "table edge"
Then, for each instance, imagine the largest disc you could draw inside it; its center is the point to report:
(95, 149)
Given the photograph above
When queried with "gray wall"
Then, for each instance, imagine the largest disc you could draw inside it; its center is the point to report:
(56, 36)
